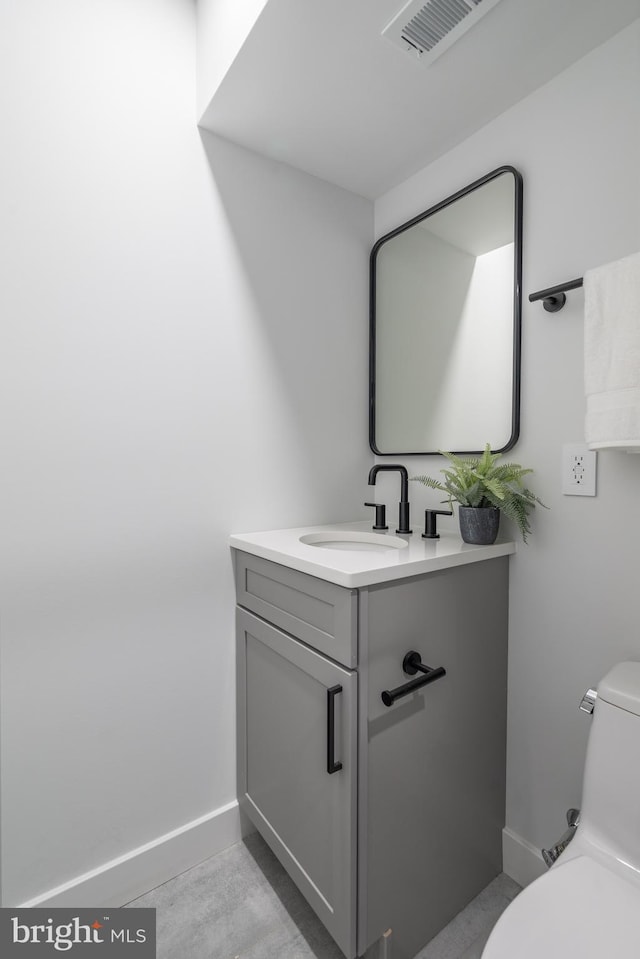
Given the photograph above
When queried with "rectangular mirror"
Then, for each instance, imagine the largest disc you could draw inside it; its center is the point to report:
(445, 301)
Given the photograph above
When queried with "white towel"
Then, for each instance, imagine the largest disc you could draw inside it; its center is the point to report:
(612, 355)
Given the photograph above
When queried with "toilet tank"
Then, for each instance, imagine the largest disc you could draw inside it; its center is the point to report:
(610, 815)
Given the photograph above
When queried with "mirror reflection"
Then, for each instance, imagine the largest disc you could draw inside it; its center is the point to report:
(445, 324)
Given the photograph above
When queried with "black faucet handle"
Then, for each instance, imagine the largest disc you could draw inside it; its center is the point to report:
(404, 524)
(381, 521)
(430, 520)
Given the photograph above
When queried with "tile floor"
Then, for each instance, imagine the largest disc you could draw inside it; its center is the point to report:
(241, 904)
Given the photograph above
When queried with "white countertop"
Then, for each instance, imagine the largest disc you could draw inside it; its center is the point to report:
(354, 568)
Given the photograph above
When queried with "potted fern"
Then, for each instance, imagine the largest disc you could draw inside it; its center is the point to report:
(484, 489)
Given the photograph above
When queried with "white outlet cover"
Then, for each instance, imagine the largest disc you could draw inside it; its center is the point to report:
(578, 470)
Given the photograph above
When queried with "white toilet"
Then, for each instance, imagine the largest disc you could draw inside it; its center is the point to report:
(588, 904)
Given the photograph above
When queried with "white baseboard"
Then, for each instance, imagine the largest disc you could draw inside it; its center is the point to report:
(520, 860)
(123, 879)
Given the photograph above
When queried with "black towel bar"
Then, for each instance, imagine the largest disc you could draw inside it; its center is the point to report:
(554, 297)
(412, 664)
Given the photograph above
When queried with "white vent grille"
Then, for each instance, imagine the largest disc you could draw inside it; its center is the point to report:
(426, 30)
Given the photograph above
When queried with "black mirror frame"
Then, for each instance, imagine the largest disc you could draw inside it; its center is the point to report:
(517, 311)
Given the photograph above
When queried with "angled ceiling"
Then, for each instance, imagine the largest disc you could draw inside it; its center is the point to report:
(315, 85)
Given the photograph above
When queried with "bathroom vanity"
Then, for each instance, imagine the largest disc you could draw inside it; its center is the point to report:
(387, 817)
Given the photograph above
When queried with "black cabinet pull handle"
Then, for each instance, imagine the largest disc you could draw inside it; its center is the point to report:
(332, 765)
(411, 664)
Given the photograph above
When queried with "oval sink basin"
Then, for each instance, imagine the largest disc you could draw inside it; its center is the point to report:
(354, 540)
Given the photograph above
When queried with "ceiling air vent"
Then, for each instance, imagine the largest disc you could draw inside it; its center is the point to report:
(425, 30)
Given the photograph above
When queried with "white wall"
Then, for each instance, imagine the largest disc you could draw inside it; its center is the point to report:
(184, 353)
(223, 26)
(574, 608)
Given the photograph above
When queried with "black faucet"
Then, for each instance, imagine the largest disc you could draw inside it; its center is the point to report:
(403, 522)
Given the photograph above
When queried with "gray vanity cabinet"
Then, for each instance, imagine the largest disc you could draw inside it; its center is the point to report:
(386, 817)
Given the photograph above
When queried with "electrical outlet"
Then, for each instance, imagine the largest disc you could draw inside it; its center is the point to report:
(578, 470)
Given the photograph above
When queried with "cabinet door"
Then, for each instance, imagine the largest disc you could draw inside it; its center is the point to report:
(297, 766)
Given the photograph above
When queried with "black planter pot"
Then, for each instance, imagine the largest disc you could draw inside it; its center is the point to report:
(479, 525)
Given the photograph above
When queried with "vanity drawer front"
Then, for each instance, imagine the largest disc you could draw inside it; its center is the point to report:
(321, 614)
